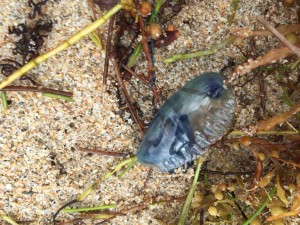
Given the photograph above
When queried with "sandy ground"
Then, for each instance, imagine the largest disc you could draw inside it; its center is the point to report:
(40, 165)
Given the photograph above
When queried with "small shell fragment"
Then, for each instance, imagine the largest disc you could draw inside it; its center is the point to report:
(193, 118)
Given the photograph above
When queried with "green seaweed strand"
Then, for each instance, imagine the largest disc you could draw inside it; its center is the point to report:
(263, 205)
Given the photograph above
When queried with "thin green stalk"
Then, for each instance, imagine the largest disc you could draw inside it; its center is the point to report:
(154, 14)
(260, 209)
(211, 51)
(4, 99)
(100, 207)
(235, 4)
(127, 169)
(174, 58)
(106, 176)
(8, 219)
(192, 190)
(134, 55)
(66, 98)
(72, 40)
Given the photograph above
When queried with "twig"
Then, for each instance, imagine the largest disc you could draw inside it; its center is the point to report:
(61, 208)
(126, 96)
(99, 215)
(38, 89)
(262, 93)
(101, 152)
(238, 206)
(260, 209)
(143, 206)
(292, 47)
(229, 173)
(258, 167)
(287, 162)
(72, 222)
(26, 222)
(108, 49)
(140, 77)
(149, 61)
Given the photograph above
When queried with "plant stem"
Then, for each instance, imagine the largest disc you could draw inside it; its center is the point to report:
(9, 220)
(103, 152)
(174, 58)
(235, 4)
(271, 132)
(75, 210)
(260, 209)
(134, 55)
(50, 95)
(154, 14)
(124, 91)
(108, 49)
(80, 34)
(127, 169)
(211, 51)
(106, 176)
(4, 99)
(37, 89)
(192, 190)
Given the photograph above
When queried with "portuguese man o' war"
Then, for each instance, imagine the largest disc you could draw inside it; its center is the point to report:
(193, 118)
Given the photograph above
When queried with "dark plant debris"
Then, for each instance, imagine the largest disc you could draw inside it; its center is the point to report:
(36, 8)
(28, 46)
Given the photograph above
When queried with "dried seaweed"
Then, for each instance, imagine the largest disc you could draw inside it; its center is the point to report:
(37, 8)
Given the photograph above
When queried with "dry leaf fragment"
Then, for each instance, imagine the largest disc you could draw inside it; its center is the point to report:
(280, 191)
(267, 178)
(266, 125)
(294, 212)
